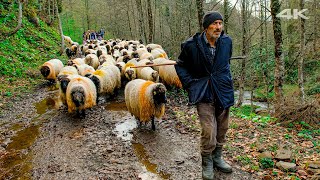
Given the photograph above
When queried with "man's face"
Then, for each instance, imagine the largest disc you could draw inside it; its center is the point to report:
(214, 30)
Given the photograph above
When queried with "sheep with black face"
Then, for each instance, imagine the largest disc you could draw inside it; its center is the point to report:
(81, 94)
(51, 69)
(145, 100)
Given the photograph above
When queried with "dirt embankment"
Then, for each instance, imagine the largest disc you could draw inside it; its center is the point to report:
(40, 141)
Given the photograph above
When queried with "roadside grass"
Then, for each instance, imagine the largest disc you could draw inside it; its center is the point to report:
(250, 135)
(21, 56)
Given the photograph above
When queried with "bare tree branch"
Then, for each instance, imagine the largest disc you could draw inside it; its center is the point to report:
(16, 29)
(215, 5)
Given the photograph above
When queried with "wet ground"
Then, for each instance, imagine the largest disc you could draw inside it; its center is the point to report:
(39, 140)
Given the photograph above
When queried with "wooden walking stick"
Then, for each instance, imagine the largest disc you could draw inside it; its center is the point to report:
(151, 64)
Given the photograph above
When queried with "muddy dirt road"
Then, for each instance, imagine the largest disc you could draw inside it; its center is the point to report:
(40, 141)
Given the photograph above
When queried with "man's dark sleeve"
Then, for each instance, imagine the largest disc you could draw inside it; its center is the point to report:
(182, 67)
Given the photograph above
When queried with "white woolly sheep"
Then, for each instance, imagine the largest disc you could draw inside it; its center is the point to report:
(158, 61)
(169, 75)
(106, 58)
(63, 79)
(146, 55)
(142, 62)
(159, 53)
(121, 66)
(67, 71)
(153, 46)
(90, 51)
(92, 60)
(76, 61)
(147, 73)
(84, 69)
(107, 80)
(51, 69)
(141, 51)
(130, 73)
(81, 94)
(145, 100)
(63, 84)
(68, 41)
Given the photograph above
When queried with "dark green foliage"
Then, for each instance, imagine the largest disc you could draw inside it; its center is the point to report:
(266, 163)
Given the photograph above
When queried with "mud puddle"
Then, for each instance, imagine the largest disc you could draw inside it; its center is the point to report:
(151, 168)
(16, 163)
(124, 131)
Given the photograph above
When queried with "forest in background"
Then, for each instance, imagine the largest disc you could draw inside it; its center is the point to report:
(31, 34)
(289, 76)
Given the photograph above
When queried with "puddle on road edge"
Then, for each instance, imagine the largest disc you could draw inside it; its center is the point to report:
(144, 159)
(116, 106)
(16, 163)
(47, 104)
(123, 130)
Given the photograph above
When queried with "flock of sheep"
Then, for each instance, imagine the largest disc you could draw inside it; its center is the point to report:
(100, 68)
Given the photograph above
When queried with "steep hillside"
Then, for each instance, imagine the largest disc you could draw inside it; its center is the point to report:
(22, 54)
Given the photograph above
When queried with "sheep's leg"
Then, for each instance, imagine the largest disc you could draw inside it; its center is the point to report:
(115, 92)
(77, 113)
(52, 81)
(153, 126)
(97, 100)
(82, 113)
(139, 123)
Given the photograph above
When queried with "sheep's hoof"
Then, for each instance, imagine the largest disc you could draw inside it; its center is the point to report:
(139, 124)
(81, 114)
(153, 126)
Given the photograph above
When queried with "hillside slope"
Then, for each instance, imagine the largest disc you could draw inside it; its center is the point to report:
(23, 53)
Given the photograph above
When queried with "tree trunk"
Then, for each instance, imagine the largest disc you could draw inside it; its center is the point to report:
(161, 29)
(16, 29)
(131, 36)
(150, 21)
(244, 53)
(200, 13)
(154, 20)
(225, 10)
(315, 26)
(301, 59)
(189, 18)
(279, 62)
(132, 9)
(49, 12)
(60, 28)
(87, 13)
(139, 7)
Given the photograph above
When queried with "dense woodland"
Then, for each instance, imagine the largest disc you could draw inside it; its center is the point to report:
(281, 54)
(278, 64)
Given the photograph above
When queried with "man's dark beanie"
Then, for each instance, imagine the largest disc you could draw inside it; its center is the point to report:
(210, 17)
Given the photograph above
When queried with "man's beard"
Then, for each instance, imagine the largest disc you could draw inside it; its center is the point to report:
(214, 35)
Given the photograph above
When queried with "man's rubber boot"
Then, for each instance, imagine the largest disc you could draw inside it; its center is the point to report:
(219, 162)
(207, 167)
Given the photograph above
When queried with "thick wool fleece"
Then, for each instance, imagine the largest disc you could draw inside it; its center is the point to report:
(169, 75)
(90, 93)
(140, 102)
(55, 65)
